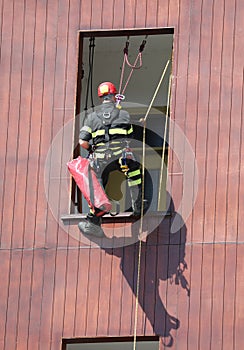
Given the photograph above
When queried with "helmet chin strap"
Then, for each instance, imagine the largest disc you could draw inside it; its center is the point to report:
(108, 98)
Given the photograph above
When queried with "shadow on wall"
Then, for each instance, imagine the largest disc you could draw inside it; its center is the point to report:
(162, 258)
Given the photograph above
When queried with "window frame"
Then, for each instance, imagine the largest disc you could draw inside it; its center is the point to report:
(76, 196)
(112, 339)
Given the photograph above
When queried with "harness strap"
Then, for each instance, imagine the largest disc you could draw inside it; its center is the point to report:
(90, 184)
(114, 114)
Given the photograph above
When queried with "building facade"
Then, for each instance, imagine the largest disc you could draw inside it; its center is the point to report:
(57, 287)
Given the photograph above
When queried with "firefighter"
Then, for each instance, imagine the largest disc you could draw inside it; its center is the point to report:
(105, 133)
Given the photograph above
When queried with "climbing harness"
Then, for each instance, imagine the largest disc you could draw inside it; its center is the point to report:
(120, 96)
(143, 190)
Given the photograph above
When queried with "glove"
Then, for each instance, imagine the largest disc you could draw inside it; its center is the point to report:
(91, 148)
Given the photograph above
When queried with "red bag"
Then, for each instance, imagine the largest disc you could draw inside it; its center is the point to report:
(87, 181)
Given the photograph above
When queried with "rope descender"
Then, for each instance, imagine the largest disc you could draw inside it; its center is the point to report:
(120, 96)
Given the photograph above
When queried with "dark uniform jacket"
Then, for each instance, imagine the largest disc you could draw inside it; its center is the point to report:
(107, 128)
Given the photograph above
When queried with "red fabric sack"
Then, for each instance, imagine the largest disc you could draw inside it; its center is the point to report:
(87, 181)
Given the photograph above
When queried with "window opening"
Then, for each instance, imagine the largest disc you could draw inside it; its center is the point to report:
(111, 343)
(100, 59)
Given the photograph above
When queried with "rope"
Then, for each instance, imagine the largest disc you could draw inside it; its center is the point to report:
(91, 67)
(144, 139)
(164, 142)
(120, 95)
(90, 74)
(142, 208)
(134, 66)
(137, 292)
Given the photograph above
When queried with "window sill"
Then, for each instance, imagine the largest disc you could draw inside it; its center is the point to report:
(74, 219)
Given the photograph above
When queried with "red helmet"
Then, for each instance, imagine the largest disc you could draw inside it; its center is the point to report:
(106, 89)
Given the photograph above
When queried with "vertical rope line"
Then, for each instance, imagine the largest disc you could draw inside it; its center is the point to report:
(142, 208)
(132, 70)
(132, 66)
(137, 291)
(164, 142)
(144, 140)
(122, 75)
(91, 68)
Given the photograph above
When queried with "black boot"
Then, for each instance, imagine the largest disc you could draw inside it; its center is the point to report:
(92, 226)
(137, 207)
(136, 201)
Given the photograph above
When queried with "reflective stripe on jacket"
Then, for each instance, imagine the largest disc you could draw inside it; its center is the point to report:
(108, 124)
